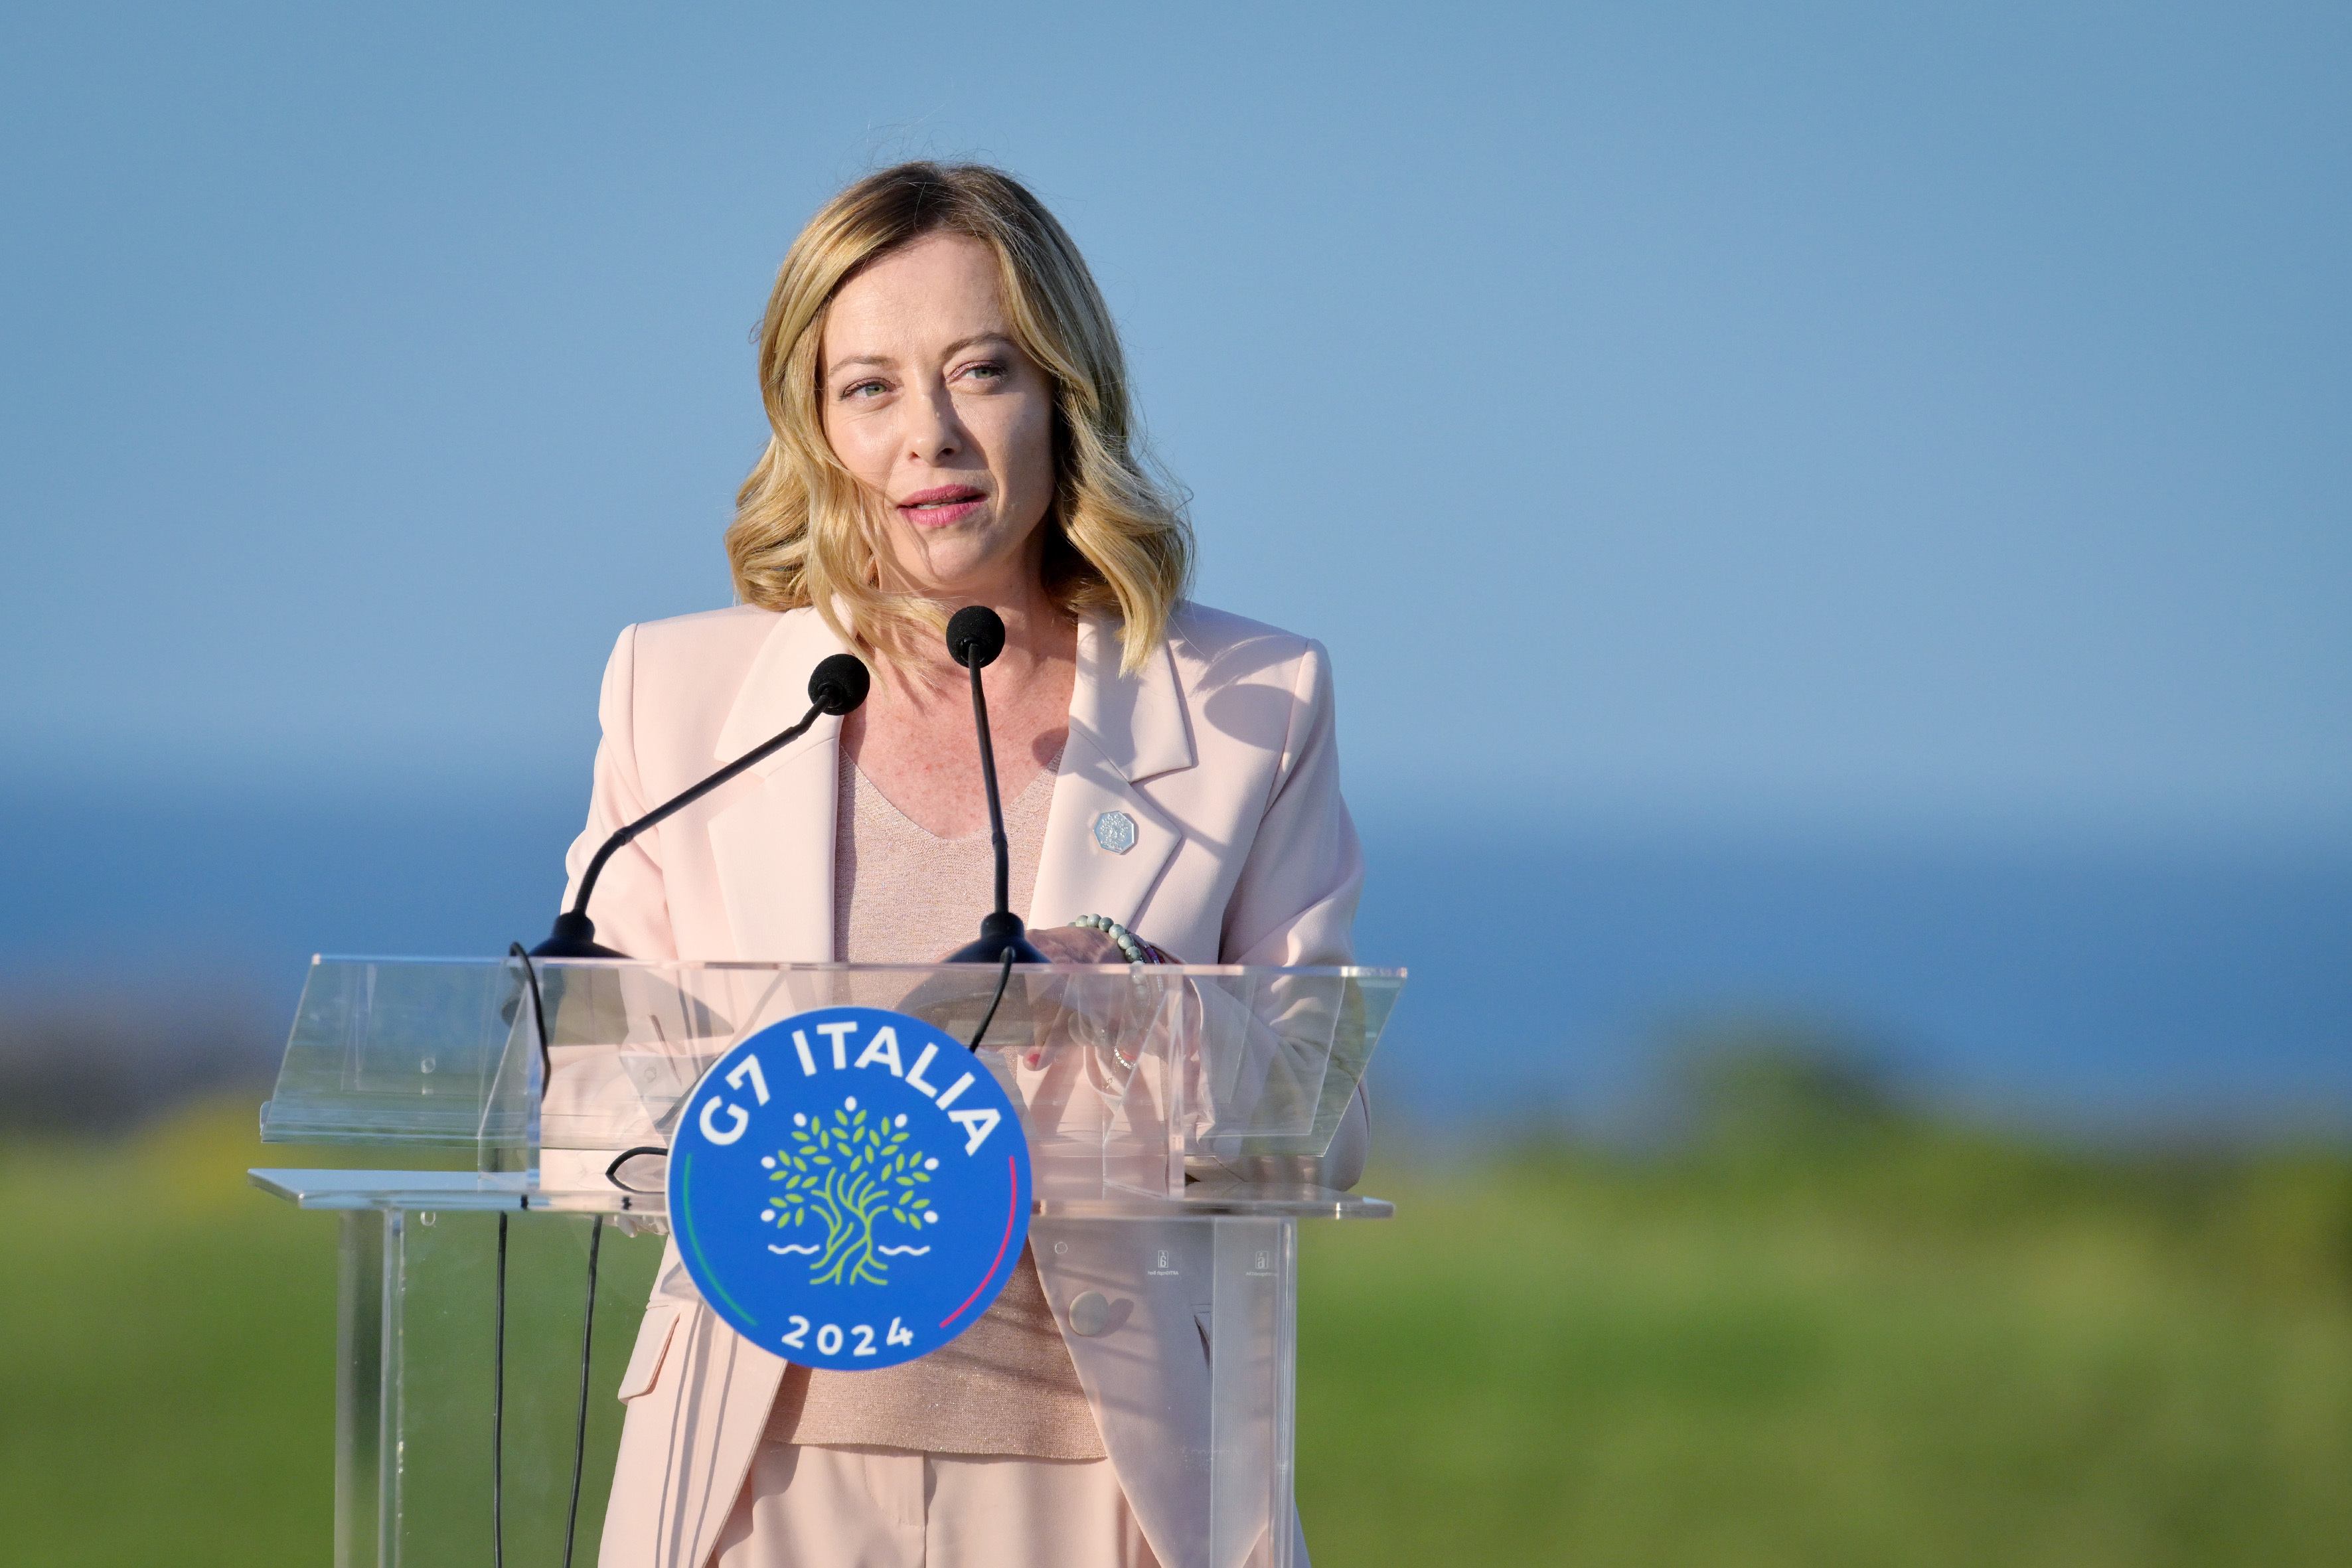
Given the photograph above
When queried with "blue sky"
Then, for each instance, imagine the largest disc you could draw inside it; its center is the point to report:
(1906, 416)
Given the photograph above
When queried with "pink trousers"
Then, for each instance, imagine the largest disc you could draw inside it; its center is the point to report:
(805, 1506)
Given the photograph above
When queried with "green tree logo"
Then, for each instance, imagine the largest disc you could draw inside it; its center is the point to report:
(852, 1171)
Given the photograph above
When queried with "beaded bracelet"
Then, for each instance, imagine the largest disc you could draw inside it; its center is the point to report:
(1136, 951)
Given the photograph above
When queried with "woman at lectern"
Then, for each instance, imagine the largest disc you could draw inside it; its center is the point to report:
(950, 425)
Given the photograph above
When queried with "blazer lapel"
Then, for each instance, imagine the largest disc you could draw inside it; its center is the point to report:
(773, 836)
(1124, 730)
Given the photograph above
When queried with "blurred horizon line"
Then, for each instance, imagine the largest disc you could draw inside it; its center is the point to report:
(1584, 814)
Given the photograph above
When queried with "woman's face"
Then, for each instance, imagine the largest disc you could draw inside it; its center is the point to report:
(930, 402)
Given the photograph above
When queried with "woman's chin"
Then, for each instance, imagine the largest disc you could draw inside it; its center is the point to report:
(954, 564)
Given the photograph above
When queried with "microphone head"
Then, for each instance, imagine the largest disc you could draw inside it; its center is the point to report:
(840, 683)
(975, 636)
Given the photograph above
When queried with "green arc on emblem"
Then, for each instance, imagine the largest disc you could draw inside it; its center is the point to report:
(685, 1219)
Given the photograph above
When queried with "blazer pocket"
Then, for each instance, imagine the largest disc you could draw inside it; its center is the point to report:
(653, 1345)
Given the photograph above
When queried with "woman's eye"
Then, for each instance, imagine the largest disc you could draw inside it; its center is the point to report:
(862, 389)
(985, 372)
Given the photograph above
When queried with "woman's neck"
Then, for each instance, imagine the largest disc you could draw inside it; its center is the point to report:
(1037, 632)
(913, 738)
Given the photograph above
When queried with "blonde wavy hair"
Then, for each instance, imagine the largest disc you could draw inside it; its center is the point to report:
(806, 532)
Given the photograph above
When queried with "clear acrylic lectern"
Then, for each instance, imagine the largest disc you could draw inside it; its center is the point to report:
(1202, 1096)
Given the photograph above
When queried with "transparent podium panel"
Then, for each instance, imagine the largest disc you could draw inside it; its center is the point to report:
(418, 1369)
(1148, 1096)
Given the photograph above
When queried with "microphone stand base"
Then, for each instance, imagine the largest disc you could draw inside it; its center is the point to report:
(574, 936)
(997, 932)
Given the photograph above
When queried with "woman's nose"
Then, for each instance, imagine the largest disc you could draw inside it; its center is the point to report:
(933, 432)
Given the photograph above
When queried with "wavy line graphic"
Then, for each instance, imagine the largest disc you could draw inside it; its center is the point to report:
(902, 1251)
(810, 1249)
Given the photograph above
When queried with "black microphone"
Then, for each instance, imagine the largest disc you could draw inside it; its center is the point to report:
(975, 636)
(836, 686)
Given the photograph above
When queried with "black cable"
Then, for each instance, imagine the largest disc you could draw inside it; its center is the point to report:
(498, 1360)
(587, 1344)
(1003, 974)
(587, 1324)
(613, 1171)
(498, 1414)
(538, 1014)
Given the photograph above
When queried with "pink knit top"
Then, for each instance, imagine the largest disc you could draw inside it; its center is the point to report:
(1006, 1384)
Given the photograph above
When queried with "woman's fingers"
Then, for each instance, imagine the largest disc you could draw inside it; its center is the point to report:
(1076, 944)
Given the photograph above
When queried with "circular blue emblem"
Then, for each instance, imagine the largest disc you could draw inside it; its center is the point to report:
(1114, 831)
(849, 1188)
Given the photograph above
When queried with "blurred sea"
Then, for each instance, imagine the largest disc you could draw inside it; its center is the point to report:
(2183, 991)
(2086, 990)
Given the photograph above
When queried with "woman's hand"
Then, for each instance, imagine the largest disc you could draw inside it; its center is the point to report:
(1082, 1011)
(1076, 944)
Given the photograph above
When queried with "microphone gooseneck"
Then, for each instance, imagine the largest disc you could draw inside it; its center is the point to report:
(837, 685)
(975, 636)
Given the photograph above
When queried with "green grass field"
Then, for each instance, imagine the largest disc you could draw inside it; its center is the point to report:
(1896, 1345)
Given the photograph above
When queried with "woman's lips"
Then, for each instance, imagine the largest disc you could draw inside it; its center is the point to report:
(940, 507)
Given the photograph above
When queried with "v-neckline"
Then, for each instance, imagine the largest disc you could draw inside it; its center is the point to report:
(861, 780)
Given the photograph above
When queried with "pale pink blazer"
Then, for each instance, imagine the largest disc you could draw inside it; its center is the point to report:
(1221, 751)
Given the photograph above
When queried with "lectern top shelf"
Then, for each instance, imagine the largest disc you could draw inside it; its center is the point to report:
(1124, 1075)
(458, 1192)
(450, 1191)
